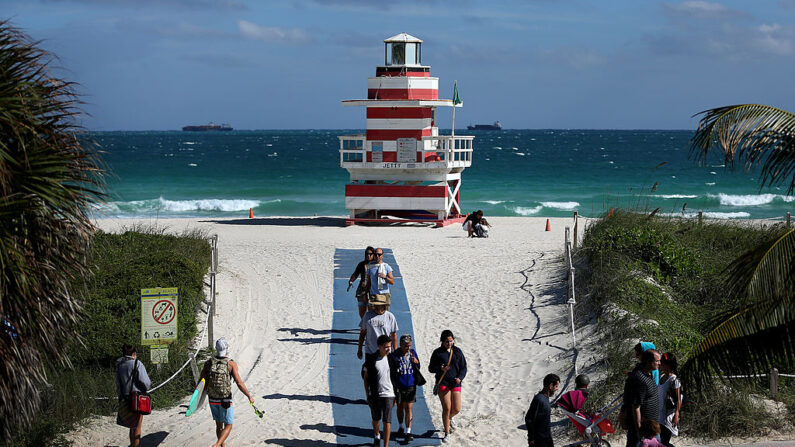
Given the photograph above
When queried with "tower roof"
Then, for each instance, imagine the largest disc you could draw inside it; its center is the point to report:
(403, 37)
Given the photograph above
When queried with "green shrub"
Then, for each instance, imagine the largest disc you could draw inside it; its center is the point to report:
(111, 316)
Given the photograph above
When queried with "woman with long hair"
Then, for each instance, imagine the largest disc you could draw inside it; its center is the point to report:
(670, 392)
(362, 295)
(450, 367)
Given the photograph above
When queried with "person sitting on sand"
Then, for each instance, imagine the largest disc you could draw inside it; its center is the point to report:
(476, 226)
(363, 290)
(218, 373)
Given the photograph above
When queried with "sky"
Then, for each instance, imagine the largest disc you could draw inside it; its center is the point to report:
(531, 64)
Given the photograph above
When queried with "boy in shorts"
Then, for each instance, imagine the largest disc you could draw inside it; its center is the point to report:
(407, 362)
(379, 373)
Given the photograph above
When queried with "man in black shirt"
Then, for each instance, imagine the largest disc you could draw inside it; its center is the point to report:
(640, 395)
(539, 433)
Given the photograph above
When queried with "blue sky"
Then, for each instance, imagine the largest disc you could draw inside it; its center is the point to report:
(628, 64)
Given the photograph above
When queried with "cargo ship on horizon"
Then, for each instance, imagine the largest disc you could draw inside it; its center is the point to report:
(207, 127)
(495, 126)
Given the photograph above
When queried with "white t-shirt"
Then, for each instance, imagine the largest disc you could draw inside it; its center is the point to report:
(376, 325)
(384, 382)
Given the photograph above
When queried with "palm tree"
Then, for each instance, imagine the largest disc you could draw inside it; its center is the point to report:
(48, 182)
(760, 332)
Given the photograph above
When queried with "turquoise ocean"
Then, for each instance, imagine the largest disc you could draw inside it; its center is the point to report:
(545, 173)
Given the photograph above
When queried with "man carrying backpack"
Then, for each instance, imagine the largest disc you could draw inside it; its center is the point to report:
(218, 373)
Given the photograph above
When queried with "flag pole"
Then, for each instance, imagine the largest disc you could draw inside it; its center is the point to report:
(455, 89)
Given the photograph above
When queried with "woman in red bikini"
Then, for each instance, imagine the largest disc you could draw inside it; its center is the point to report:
(450, 367)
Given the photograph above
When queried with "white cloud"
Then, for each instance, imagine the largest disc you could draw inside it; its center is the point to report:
(272, 34)
(771, 39)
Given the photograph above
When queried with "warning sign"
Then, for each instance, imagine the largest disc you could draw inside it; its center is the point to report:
(159, 354)
(158, 316)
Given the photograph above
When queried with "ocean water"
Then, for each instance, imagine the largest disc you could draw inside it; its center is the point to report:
(546, 173)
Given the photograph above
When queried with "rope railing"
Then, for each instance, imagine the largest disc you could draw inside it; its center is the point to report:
(570, 284)
(208, 320)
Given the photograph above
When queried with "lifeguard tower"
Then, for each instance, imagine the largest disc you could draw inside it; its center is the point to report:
(401, 169)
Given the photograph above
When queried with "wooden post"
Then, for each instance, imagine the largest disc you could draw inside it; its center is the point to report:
(788, 219)
(700, 216)
(774, 382)
(576, 221)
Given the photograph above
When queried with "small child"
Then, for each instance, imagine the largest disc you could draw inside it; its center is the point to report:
(581, 382)
(649, 429)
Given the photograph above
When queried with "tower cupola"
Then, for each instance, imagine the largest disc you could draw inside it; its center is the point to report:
(402, 49)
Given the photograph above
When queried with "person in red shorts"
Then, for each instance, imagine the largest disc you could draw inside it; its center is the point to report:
(450, 367)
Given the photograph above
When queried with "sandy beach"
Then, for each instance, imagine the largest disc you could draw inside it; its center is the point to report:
(503, 297)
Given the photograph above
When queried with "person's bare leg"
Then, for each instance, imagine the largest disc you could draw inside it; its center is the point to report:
(362, 310)
(135, 433)
(219, 428)
(401, 407)
(455, 403)
(387, 432)
(409, 409)
(224, 434)
(444, 398)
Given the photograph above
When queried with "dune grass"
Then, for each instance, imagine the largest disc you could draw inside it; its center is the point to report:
(660, 279)
(140, 257)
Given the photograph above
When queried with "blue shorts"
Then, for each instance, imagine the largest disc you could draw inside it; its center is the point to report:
(221, 414)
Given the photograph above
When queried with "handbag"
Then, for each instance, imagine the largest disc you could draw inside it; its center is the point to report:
(439, 382)
(419, 379)
(140, 403)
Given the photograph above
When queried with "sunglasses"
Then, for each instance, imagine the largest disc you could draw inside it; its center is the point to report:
(368, 254)
(379, 254)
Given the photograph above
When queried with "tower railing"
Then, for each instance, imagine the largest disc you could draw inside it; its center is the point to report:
(436, 151)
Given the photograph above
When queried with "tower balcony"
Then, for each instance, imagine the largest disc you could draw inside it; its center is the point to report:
(438, 153)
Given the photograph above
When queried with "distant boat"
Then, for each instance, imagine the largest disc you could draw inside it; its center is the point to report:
(207, 127)
(495, 126)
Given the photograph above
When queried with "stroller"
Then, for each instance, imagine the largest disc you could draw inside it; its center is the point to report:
(593, 426)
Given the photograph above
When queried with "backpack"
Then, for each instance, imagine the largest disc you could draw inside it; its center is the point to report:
(670, 398)
(220, 379)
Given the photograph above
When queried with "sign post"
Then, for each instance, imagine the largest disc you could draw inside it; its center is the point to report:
(159, 316)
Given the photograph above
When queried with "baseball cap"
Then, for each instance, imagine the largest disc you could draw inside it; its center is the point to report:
(221, 347)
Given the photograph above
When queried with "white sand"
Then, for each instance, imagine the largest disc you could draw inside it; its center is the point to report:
(276, 274)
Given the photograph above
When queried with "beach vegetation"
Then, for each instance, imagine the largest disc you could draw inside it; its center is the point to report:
(665, 280)
(123, 264)
(49, 180)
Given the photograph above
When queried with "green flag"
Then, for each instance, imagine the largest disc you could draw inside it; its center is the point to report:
(456, 98)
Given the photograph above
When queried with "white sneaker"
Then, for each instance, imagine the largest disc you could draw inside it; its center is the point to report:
(452, 426)
(445, 438)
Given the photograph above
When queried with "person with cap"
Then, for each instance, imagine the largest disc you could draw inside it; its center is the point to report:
(408, 364)
(380, 274)
(376, 322)
(218, 373)
(379, 374)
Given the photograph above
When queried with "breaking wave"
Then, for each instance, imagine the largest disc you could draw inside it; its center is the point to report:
(561, 205)
(524, 211)
(749, 199)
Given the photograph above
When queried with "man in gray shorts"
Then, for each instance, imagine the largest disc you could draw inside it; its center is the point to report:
(379, 373)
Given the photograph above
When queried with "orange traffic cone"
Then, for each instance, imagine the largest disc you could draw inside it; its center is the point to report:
(251, 213)
(548, 227)
(610, 214)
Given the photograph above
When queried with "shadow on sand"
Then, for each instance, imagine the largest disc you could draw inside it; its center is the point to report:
(283, 221)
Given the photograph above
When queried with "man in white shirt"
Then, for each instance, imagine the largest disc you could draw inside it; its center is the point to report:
(380, 375)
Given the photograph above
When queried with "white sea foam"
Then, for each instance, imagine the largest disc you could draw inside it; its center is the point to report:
(192, 164)
(188, 142)
(499, 148)
(710, 183)
(520, 153)
(749, 199)
(269, 144)
(675, 196)
(561, 205)
(713, 172)
(494, 202)
(711, 215)
(161, 204)
(515, 148)
(523, 211)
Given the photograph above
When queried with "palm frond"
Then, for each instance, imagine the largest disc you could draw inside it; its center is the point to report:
(761, 332)
(752, 133)
(48, 182)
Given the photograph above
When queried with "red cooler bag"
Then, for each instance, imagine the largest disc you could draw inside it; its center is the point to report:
(141, 403)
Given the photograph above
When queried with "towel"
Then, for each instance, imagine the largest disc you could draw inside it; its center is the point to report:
(381, 281)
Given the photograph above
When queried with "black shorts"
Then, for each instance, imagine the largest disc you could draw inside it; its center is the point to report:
(381, 408)
(406, 395)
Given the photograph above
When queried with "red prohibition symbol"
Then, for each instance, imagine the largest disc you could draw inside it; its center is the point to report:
(164, 311)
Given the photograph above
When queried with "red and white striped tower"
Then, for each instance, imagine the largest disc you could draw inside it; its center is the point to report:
(402, 170)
